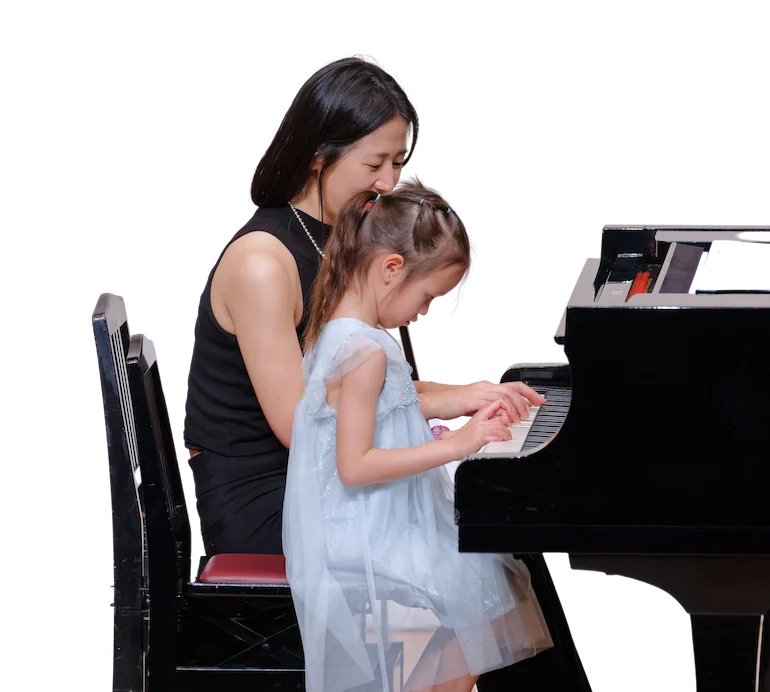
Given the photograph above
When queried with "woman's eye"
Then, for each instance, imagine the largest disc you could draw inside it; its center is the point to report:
(396, 164)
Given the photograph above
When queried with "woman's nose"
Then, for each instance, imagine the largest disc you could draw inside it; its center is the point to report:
(386, 182)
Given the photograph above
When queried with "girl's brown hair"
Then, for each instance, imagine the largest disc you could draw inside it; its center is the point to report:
(413, 221)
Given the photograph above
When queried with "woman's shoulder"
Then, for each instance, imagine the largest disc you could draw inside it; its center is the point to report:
(260, 238)
(256, 278)
(255, 257)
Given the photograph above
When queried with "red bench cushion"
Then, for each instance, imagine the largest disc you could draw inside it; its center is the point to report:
(245, 568)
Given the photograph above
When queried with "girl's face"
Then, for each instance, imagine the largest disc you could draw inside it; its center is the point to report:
(400, 303)
(372, 163)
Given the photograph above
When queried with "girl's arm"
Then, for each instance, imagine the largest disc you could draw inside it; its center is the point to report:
(358, 463)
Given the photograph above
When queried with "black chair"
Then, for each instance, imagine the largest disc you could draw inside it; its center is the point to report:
(234, 627)
(131, 569)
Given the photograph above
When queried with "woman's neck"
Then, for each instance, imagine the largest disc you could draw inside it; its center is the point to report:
(309, 203)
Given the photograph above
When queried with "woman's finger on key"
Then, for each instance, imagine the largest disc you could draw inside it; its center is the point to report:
(518, 407)
(526, 391)
(519, 403)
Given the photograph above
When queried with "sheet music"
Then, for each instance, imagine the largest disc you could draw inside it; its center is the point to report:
(733, 266)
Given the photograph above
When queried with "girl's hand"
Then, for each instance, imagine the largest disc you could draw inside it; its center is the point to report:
(487, 425)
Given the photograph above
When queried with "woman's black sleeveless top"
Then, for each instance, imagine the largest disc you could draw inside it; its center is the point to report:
(222, 413)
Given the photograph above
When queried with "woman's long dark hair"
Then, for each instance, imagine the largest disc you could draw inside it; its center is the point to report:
(341, 103)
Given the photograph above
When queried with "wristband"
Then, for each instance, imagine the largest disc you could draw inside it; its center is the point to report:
(438, 431)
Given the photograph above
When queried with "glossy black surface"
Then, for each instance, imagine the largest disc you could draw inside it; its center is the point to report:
(666, 444)
(658, 473)
(171, 634)
(130, 569)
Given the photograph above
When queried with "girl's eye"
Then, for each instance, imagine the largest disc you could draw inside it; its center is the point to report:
(374, 168)
(398, 164)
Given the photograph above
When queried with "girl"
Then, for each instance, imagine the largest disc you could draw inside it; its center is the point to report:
(368, 510)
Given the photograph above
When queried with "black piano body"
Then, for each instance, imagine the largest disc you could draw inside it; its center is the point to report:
(661, 468)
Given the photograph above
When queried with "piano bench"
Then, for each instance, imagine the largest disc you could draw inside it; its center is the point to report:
(245, 568)
(237, 629)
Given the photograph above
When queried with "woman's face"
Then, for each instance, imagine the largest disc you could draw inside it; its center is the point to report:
(372, 163)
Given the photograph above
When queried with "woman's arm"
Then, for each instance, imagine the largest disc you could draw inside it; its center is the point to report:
(430, 405)
(423, 387)
(259, 294)
(431, 397)
(358, 463)
(452, 401)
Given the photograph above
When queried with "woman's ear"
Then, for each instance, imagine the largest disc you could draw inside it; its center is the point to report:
(317, 165)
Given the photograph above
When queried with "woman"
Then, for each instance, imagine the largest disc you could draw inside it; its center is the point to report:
(344, 133)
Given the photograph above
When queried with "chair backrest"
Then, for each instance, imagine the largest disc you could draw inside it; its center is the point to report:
(406, 344)
(167, 521)
(131, 565)
(151, 530)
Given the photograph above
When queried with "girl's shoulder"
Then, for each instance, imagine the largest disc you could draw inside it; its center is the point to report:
(345, 329)
(343, 345)
(346, 341)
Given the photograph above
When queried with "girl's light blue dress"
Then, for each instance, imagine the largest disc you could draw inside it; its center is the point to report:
(375, 565)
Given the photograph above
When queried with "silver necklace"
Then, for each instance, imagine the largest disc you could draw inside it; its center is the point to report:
(304, 227)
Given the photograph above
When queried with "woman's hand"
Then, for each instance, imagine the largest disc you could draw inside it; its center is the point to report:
(465, 400)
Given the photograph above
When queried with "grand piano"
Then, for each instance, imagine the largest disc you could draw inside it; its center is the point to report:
(651, 457)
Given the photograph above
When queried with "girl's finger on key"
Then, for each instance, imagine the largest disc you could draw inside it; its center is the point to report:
(506, 411)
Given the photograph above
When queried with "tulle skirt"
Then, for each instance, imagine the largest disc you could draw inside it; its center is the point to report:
(379, 585)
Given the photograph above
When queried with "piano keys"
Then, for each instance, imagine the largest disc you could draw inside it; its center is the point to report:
(660, 467)
(529, 433)
(543, 422)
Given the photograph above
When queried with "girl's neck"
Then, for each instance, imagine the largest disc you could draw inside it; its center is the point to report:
(360, 305)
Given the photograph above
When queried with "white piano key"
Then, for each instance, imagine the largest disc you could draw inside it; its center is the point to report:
(506, 448)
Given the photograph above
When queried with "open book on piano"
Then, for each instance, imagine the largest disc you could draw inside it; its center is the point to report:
(651, 458)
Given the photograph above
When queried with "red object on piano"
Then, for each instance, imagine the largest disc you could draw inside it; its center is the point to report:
(639, 285)
(644, 282)
(635, 285)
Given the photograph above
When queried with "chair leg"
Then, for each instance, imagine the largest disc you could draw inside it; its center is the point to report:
(252, 639)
